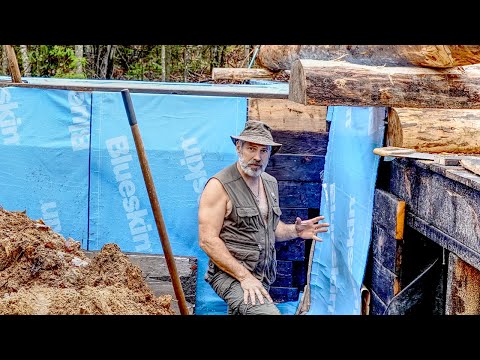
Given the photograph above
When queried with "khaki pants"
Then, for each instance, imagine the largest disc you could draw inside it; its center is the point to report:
(231, 292)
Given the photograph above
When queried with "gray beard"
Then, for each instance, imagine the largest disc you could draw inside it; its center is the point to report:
(249, 171)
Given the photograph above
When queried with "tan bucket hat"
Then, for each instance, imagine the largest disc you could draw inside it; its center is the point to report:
(259, 133)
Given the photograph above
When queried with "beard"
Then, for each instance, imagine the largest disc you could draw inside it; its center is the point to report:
(244, 165)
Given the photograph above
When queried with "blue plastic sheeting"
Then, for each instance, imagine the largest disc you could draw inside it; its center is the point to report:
(338, 264)
(44, 144)
(186, 140)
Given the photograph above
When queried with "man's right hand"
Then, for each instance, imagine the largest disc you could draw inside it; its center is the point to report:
(252, 287)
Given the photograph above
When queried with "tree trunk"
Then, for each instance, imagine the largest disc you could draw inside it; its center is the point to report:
(163, 64)
(4, 61)
(317, 82)
(434, 130)
(25, 62)
(79, 56)
(281, 57)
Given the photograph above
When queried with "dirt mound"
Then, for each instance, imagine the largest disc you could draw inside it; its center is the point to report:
(41, 272)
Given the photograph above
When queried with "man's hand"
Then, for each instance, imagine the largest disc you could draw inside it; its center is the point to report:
(252, 287)
(308, 229)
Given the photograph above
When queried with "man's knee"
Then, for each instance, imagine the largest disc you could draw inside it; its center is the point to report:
(258, 309)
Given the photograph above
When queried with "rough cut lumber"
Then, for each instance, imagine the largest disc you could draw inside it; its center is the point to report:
(281, 57)
(471, 164)
(318, 82)
(434, 130)
(282, 114)
(463, 288)
(241, 74)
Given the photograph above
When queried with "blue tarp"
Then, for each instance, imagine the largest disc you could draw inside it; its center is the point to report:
(70, 158)
(44, 142)
(338, 264)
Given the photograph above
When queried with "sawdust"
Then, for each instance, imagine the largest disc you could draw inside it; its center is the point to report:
(42, 273)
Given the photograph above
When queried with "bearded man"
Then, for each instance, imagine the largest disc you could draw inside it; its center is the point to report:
(239, 223)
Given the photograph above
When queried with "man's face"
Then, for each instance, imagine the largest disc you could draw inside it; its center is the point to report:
(253, 158)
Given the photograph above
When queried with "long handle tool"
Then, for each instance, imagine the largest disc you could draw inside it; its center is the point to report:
(157, 212)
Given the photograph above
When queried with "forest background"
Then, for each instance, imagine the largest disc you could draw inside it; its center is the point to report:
(168, 63)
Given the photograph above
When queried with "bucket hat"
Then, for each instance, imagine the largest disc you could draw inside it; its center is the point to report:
(259, 133)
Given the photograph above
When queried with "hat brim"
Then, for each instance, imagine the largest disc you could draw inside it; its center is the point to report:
(260, 140)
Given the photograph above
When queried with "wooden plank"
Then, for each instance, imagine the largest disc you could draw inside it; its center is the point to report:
(302, 143)
(386, 249)
(384, 282)
(472, 164)
(299, 194)
(286, 115)
(329, 83)
(293, 250)
(467, 254)
(284, 274)
(292, 167)
(377, 306)
(241, 74)
(449, 206)
(284, 294)
(299, 274)
(463, 288)
(289, 215)
(389, 213)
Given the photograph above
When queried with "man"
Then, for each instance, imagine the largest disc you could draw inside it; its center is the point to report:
(239, 222)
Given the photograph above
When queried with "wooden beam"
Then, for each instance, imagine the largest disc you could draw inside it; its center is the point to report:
(318, 82)
(435, 130)
(283, 114)
(239, 74)
(463, 288)
(281, 57)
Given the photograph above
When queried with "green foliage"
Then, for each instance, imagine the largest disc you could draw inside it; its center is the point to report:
(54, 61)
(190, 63)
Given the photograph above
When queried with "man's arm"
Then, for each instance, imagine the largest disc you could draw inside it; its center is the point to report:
(211, 213)
(305, 229)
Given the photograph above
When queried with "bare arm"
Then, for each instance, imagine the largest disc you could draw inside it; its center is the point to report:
(305, 229)
(211, 213)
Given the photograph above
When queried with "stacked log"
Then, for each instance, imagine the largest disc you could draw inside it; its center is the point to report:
(282, 57)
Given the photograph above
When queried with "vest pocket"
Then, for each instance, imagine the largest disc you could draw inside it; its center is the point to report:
(248, 219)
(247, 257)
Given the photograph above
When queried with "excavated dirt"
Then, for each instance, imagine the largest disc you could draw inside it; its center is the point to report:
(42, 273)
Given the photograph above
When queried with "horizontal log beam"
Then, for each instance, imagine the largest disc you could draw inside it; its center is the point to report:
(318, 82)
(435, 130)
(240, 74)
(282, 114)
(281, 57)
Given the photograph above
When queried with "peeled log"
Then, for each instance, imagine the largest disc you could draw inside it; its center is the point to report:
(317, 82)
(281, 57)
(240, 74)
(434, 130)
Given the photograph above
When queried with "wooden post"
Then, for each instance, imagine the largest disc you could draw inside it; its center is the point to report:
(13, 64)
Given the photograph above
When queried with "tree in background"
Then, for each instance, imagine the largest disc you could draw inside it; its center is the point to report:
(173, 63)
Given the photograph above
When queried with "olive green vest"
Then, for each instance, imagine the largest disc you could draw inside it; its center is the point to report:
(246, 235)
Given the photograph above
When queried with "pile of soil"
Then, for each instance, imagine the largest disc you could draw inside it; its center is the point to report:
(42, 273)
